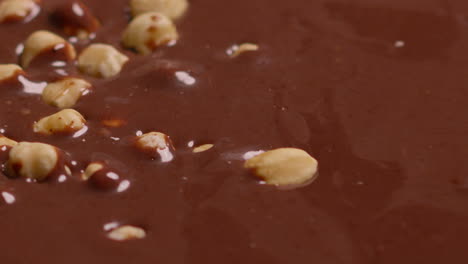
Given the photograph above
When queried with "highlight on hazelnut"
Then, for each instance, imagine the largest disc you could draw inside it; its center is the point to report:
(101, 60)
(43, 41)
(76, 19)
(35, 161)
(173, 9)
(10, 72)
(64, 122)
(18, 10)
(156, 144)
(65, 93)
(126, 232)
(149, 31)
(284, 167)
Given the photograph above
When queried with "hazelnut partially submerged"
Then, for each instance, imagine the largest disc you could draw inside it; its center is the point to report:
(18, 10)
(202, 148)
(171, 8)
(4, 141)
(76, 19)
(100, 175)
(42, 42)
(126, 232)
(35, 161)
(237, 50)
(101, 60)
(64, 122)
(9, 72)
(156, 144)
(66, 92)
(284, 167)
(149, 31)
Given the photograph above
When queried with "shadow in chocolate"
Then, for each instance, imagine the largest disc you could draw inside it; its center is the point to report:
(353, 186)
(397, 32)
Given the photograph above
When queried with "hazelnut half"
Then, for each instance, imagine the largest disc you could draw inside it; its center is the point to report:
(65, 121)
(34, 161)
(41, 42)
(156, 144)
(149, 31)
(101, 60)
(10, 72)
(284, 167)
(66, 92)
(18, 10)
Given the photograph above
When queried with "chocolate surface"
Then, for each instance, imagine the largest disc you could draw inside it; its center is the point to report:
(376, 91)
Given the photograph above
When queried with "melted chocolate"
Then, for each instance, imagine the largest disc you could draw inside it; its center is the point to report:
(374, 90)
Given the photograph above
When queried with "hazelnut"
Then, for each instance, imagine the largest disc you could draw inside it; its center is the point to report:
(92, 169)
(101, 60)
(171, 8)
(76, 19)
(34, 161)
(149, 31)
(202, 148)
(41, 42)
(66, 92)
(237, 50)
(101, 176)
(283, 167)
(154, 144)
(9, 72)
(126, 232)
(18, 10)
(65, 121)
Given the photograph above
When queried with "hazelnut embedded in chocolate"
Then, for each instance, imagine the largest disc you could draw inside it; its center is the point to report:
(66, 92)
(156, 144)
(126, 232)
(63, 122)
(47, 44)
(237, 50)
(171, 8)
(76, 19)
(10, 72)
(149, 31)
(18, 10)
(35, 161)
(283, 167)
(102, 176)
(101, 60)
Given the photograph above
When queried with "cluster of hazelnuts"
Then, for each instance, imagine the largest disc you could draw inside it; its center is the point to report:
(151, 27)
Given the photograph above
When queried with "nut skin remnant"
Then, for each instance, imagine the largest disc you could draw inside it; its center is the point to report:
(10, 72)
(34, 161)
(18, 10)
(64, 122)
(284, 167)
(101, 60)
(42, 42)
(126, 232)
(149, 31)
(66, 92)
(173, 9)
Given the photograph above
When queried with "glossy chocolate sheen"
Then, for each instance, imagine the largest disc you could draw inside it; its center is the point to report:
(376, 91)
